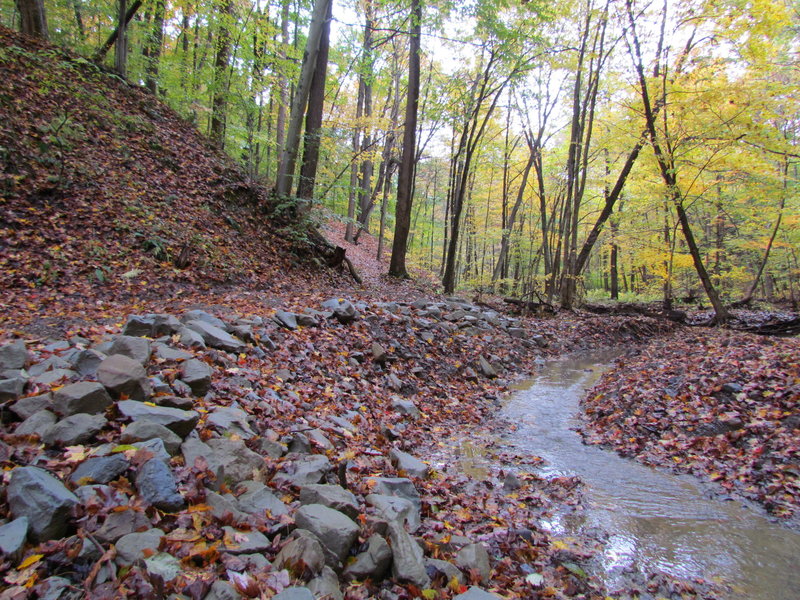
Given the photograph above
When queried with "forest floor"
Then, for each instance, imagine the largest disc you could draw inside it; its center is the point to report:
(105, 189)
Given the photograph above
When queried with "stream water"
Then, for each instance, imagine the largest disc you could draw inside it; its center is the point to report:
(656, 520)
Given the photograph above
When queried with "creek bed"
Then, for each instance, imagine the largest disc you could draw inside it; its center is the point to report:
(654, 520)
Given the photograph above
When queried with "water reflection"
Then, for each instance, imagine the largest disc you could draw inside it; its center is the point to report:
(657, 520)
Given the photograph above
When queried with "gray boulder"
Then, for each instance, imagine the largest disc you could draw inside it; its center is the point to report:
(179, 421)
(99, 469)
(395, 508)
(258, 499)
(201, 315)
(238, 541)
(476, 593)
(54, 362)
(407, 559)
(166, 352)
(25, 407)
(75, 429)
(143, 430)
(407, 464)
(372, 563)
(294, 593)
(474, 557)
(332, 496)
(405, 407)
(222, 590)
(11, 389)
(450, 571)
(302, 555)
(486, 369)
(86, 362)
(12, 537)
(222, 506)
(230, 420)
(119, 524)
(191, 338)
(151, 325)
(39, 423)
(336, 531)
(286, 319)
(326, 585)
(396, 486)
(164, 565)
(197, 375)
(342, 310)
(133, 347)
(156, 447)
(230, 460)
(132, 547)
(123, 375)
(34, 493)
(49, 377)
(83, 397)
(303, 469)
(156, 485)
(216, 337)
(13, 356)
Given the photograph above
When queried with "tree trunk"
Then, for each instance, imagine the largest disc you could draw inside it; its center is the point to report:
(219, 100)
(405, 178)
(283, 87)
(316, 102)
(32, 18)
(153, 53)
(286, 173)
(121, 44)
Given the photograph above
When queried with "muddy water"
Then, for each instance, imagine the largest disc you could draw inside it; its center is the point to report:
(656, 520)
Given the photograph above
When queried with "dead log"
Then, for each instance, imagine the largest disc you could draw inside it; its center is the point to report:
(536, 307)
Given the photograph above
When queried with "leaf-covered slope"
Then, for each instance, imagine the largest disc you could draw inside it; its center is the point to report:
(103, 187)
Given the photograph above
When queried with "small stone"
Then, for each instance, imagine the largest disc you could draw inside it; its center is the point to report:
(302, 555)
(201, 315)
(26, 407)
(51, 377)
(512, 482)
(121, 523)
(342, 310)
(133, 347)
(123, 375)
(86, 362)
(12, 537)
(407, 464)
(34, 493)
(486, 369)
(83, 397)
(38, 423)
(332, 496)
(170, 354)
(238, 541)
(191, 338)
(14, 355)
(230, 420)
(326, 585)
(143, 430)
(320, 439)
(75, 429)
(258, 499)
(222, 590)
(372, 563)
(164, 565)
(197, 375)
(450, 571)
(222, 506)
(335, 531)
(476, 593)
(179, 421)
(298, 443)
(474, 557)
(54, 362)
(216, 337)
(379, 354)
(396, 486)
(100, 469)
(156, 484)
(405, 407)
(11, 389)
(133, 546)
(151, 325)
(286, 319)
(304, 470)
(156, 447)
(52, 588)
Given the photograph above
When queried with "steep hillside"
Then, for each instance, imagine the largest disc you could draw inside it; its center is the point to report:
(108, 192)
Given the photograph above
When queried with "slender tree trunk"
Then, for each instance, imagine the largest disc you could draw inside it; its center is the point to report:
(283, 86)
(219, 100)
(365, 195)
(405, 178)
(154, 44)
(112, 39)
(121, 43)
(352, 188)
(33, 18)
(76, 9)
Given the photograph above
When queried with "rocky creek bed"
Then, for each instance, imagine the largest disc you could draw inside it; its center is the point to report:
(230, 456)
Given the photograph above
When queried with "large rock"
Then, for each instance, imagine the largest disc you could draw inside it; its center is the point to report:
(12, 388)
(286, 319)
(294, 593)
(487, 370)
(343, 310)
(407, 464)
(372, 563)
(303, 470)
(12, 537)
(474, 557)
(238, 541)
(25, 407)
(230, 460)
(179, 421)
(133, 347)
(448, 569)
(143, 430)
(86, 362)
(13, 356)
(216, 337)
(75, 429)
(201, 315)
(156, 485)
(476, 593)
(332, 496)
(84, 397)
(166, 352)
(121, 523)
(164, 565)
(302, 555)
(151, 325)
(100, 469)
(230, 420)
(224, 507)
(34, 493)
(407, 559)
(197, 375)
(325, 586)
(395, 486)
(395, 508)
(335, 531)
(405, 407)
(258, 499)
(134, 546)
(124, 376)
(222, 590)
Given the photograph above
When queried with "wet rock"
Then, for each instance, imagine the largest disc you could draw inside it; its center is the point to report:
(474, 557)
(100, 469)
(13, 356)
(335, 531)
(34, 493)
(38, 423)
(151, 325)
(11, 389)
(123, 375)
(512, 482)
(294, 593)
(407, 562)
(230, 420)
(143, 430)
(304, 470)
(394, 508)
(197, 375)
(302, 555)
(164, 565)
(136, 348)
(179, 421)
(332, 496)
(405, 407)
(238, 541)
(326, 585)
(216, 337)
(83, 397)
(156, 485)
(75, 429)
(372, 563)
(408, 464)
(25, 407)
(12, 538)
(257, 499)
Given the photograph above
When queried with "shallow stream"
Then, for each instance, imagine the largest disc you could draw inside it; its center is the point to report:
(656, 521)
